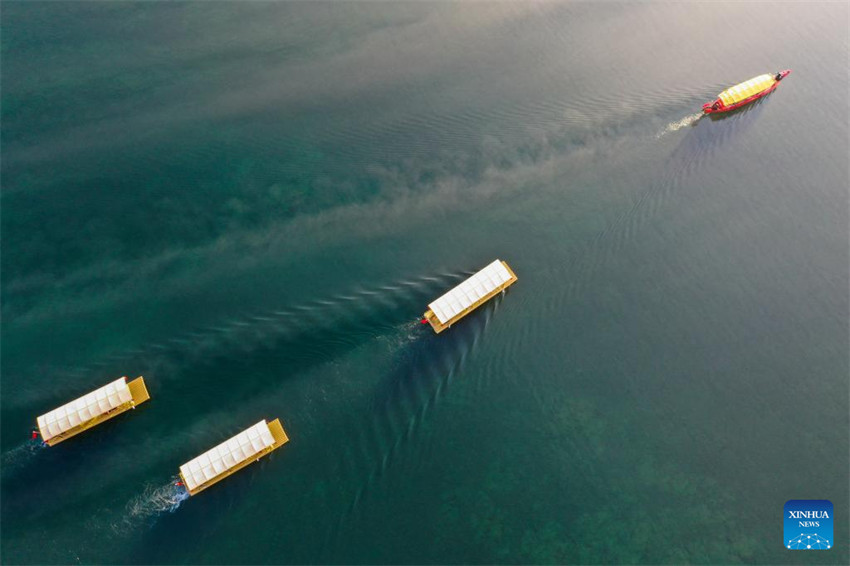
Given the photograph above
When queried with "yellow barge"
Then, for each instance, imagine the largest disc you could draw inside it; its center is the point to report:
(90, 410)
(469, 295)
(232, 455)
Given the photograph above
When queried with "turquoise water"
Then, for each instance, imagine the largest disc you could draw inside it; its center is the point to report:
(252, 204)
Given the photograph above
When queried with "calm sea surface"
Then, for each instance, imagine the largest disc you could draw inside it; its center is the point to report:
(251, 204)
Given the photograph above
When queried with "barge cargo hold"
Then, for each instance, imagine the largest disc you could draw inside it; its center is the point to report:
(90, 410)
(469, 295)
(745, 92)
(232, 455)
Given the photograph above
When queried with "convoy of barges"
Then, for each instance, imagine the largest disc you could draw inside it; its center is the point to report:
(264, 437)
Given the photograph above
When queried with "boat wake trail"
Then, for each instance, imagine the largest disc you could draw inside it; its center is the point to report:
(364, 308)
(679, 124)
(19, 456)
(146, 507)
(261, 329)
(699, 147)
(400, 407)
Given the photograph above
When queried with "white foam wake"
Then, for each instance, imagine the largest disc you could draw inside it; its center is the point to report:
(20, 455)
(150, 504)
(679, 124)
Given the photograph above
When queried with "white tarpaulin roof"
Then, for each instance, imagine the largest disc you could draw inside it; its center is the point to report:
(464, 295)
(84, 409)
(226, 455)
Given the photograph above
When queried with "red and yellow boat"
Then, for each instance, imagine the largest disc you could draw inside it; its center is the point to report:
(744, 93)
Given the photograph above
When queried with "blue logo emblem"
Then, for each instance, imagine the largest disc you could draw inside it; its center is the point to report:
(808, 524)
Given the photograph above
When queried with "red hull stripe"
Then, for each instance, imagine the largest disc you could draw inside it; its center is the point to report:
(744, 102)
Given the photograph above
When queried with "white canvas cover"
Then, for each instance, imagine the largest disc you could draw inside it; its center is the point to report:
(226, 455)
(467, 293)
(84, 409)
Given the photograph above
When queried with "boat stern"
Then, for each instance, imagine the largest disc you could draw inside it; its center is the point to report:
(716, 106)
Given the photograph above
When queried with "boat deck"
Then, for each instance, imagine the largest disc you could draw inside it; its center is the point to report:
(140, 395)
(280, 439)
(439, 326)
